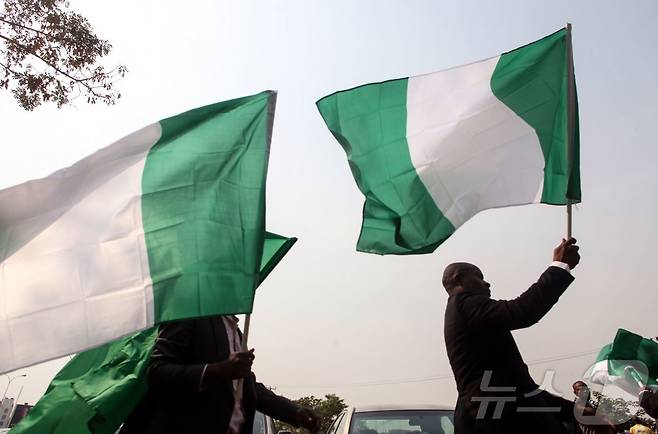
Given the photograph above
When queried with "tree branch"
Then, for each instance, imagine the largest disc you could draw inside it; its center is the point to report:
(68, 51)
(64, 73)
(11, 23)
(40, 32)
(10, 70)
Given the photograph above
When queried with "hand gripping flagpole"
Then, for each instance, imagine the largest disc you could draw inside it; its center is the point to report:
(571, 122)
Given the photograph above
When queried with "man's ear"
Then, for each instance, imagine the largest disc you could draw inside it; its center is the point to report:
(458, 278)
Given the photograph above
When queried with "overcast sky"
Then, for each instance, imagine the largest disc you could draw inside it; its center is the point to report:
(370, 328)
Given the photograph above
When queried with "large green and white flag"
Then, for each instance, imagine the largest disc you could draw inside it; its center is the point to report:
(429, 152)
(630, 362)
(97, 389)
(166, 223)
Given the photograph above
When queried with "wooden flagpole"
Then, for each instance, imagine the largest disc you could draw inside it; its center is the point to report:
(571, 122)
(245, 332)
(244, 347)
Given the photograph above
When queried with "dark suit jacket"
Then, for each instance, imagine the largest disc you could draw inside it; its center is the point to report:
(480, 346)
(649, 402)
(177, 403)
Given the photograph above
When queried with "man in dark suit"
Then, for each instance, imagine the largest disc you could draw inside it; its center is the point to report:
(496, 392)
(193, 378)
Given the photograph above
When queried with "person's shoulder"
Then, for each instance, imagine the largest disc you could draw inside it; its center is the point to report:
(471, 295)
(468, 299)
(187, 323)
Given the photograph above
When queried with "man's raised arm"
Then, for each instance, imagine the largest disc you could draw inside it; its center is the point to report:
(527, 309)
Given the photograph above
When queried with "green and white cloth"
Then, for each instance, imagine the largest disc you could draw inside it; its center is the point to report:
(429, 152)
(166, 223)
(630, 362)
(97, 390)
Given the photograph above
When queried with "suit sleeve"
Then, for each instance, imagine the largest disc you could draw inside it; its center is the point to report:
(649, 402)
(276, 406)
(167, 367)
(481, 312)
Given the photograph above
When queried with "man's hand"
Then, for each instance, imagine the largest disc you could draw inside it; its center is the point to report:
(238, 365)
(567, 252)
(307, 419)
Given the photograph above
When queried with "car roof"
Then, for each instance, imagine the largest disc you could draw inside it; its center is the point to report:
(364, 408)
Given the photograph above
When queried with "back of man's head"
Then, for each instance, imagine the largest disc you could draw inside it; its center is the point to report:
(453, 273)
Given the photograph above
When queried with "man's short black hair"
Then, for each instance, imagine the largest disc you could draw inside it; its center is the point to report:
(452, 274)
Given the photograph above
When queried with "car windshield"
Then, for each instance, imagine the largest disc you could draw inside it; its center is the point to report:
(402, 422)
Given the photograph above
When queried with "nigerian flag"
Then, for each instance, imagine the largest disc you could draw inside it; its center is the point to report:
(630, 362)
(166, 223)
(97, 390)
(429, 152)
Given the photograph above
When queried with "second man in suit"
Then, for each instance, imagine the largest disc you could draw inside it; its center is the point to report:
(193, 378)
(496, 392)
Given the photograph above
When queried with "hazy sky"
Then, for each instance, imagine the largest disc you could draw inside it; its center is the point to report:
(370, 328)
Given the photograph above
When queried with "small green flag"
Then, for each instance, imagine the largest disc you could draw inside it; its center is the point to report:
(429, 152)
(629, 362)
(97, 390)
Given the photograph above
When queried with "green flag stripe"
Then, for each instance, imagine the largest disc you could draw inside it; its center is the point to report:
(95, 391)
(532, 81)
(399, 215)
(629, 362)
(203, 207)
(629, 346)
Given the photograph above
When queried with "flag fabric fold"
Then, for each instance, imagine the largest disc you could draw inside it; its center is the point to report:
(166, 223)
(97, 390)
(630, 362)
(431, 151)
(275, 248)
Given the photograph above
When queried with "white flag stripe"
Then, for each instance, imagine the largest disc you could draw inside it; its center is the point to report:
(67, 285)
(470, 150)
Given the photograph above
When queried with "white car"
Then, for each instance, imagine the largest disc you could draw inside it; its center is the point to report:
(415, 419)
(263, 424)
